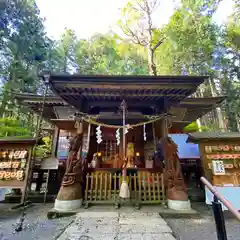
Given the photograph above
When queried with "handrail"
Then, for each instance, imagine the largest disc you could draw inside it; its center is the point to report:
(220, 197)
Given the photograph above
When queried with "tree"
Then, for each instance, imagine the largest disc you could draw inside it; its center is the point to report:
(231, 72)
(103, 54)
(137, 24)
(194, 47)
(24, 48)
(64, 51)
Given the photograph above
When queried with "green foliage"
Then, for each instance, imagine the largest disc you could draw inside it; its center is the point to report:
(190, 43)
(10, 127)
(45, 149)
(103, 54)
(193, 127)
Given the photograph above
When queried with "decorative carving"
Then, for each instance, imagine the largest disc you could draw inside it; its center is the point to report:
(71, 188)
(73, 171)
(173, 175)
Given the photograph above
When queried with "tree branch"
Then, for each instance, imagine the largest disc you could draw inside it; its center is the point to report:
(129, 32)
(158, 44)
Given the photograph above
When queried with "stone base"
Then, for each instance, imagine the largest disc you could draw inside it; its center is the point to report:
(179, 205)
(67, 205)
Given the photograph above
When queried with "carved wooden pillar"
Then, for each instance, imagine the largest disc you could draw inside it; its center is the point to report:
(70, 194)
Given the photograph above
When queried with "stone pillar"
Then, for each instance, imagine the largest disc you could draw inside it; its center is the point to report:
(70, 195)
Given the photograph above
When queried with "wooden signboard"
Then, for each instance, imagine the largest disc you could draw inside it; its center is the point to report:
(14, 164)
(221, 162)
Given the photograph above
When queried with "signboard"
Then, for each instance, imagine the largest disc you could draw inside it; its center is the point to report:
(13, 167)
(218, 167)
(50, 163)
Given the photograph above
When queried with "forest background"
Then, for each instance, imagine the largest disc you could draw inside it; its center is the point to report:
(191, 43)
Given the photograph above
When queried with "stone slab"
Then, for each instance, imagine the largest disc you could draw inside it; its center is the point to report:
(139, 236)
(97, 214)
(117, 226)
(131, 229)
(89, 237)
(138, 214)
(143, 220)
(97, 221)
(82, 229)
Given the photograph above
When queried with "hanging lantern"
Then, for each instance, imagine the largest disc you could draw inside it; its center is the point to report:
(99, 134)
(144, 133)
(118, 136)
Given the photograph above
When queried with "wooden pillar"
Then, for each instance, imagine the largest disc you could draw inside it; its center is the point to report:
(164, 135)
(55, 141)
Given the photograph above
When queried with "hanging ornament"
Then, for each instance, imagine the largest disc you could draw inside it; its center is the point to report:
(144, 133)
(118, 136)
(99, 134)
(127, 128)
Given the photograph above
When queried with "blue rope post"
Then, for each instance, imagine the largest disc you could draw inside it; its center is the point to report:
(219, 219)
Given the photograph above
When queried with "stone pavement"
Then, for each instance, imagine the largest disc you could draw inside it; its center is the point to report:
(35, 227)
(118, 226)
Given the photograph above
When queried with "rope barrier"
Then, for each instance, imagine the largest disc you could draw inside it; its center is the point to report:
(91, 121)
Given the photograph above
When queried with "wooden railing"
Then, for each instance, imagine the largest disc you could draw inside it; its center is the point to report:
(104, 187)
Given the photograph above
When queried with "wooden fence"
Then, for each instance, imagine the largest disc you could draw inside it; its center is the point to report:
(104, 187)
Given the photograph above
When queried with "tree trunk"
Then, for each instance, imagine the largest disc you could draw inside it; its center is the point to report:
(151, 64)
(218, 109)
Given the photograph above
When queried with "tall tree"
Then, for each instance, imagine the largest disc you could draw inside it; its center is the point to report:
(137, 24)
(23, 50)
(231, 71)
(104, 54)
(193, 47)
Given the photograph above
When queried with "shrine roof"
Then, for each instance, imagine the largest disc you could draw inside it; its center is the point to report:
(34, 102)
(55, 106)
(75, 88)
(20, 141)
(212, 136)
(34, 99)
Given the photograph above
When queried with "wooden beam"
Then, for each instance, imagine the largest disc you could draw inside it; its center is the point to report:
(116, 103)
(118, 94)
(120, 86)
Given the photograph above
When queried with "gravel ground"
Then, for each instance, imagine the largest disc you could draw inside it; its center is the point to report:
(204, 227)
(36, 225)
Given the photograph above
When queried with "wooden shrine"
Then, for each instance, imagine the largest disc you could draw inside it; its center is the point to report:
(155, 106)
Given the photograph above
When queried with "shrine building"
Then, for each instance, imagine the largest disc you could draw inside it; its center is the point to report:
(154, 106)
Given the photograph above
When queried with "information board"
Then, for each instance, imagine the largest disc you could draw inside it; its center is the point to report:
(13, 167)
(218, 167)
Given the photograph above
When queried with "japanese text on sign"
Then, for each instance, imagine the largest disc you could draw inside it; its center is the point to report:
(13, 165)
(218, 168)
